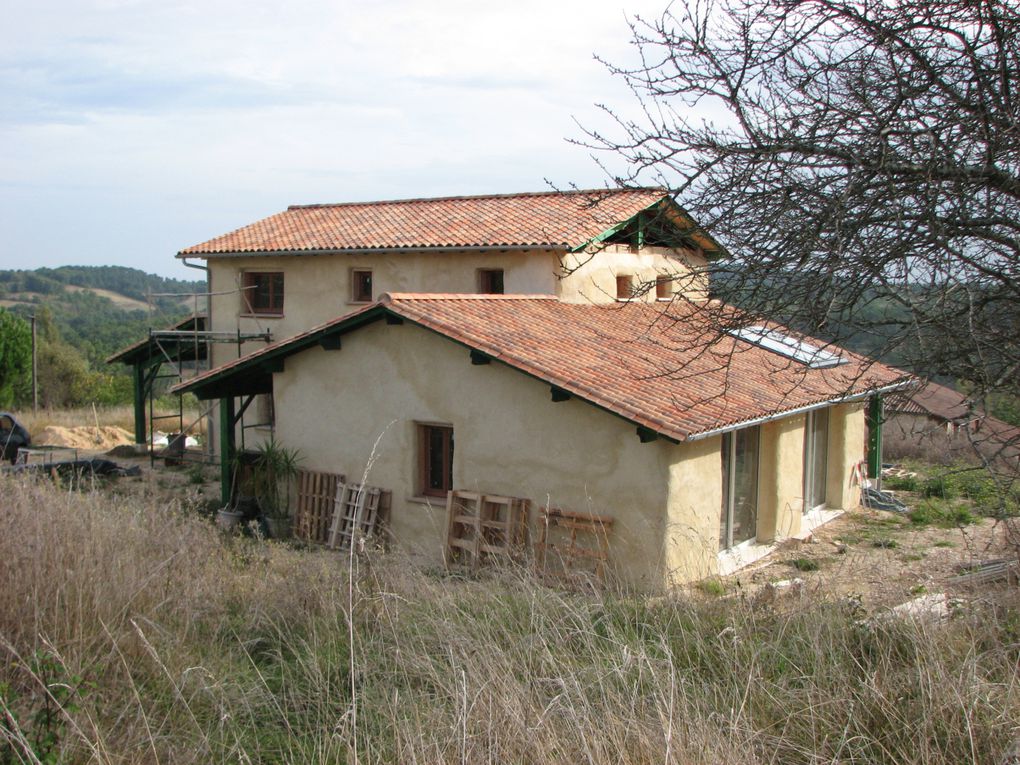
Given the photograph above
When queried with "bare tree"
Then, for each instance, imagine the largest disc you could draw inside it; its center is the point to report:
(860, 159)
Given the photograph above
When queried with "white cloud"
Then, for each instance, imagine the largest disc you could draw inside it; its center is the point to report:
(135, 127)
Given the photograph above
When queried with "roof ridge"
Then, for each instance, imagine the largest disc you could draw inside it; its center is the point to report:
(458, 197)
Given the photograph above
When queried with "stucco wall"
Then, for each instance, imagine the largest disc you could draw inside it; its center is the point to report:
(338, 407)
(317, 288)
(590, 277)
(691, 543)
(847, 428)
(781, 478)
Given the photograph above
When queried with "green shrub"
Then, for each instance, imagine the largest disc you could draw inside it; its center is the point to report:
(804, 564)
(901, 483)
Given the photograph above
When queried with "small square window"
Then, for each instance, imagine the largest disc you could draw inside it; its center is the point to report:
(624, 287)
(663, 287)
(262, 292)
(435, 460)
(490, 281)
(361, 286)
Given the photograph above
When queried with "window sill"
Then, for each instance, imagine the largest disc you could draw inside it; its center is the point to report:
(437, 502)
(665, 299)
(360, 302)
(737, 557)
(260, 315)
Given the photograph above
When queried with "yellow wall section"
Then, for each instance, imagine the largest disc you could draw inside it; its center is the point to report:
(781, 478)
(691, 542)
(339, 407)
(590, 277)
(846, 449)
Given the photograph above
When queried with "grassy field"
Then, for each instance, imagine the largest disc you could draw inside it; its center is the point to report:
(132, 632)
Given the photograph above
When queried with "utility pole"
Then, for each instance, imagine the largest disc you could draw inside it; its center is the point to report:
(35, 384)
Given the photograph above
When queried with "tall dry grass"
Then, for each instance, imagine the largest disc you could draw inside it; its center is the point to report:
(163, 642)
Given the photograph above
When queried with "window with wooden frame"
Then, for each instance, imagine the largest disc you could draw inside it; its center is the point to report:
(625, 287)
(663, 287)
(262, 293)
(490, 281)
(435, 460)
(361, 285)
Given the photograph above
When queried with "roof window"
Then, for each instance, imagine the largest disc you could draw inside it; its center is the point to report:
(777, 342)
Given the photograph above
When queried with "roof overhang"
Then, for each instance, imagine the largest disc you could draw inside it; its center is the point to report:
(543, 246)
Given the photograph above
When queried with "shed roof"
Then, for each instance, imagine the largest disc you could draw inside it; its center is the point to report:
(667, 369)
(554, 219)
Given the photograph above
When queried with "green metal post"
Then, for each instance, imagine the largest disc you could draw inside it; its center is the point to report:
(139, 391)
(875, 437)
(640, 230)
(226, 449)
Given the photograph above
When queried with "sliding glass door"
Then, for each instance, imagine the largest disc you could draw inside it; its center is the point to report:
(816, 448)
(739, 517)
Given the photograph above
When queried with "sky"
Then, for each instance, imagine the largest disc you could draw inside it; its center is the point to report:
(130, 129)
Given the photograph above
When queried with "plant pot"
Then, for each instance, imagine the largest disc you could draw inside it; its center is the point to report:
(279, 528)
(228, 520)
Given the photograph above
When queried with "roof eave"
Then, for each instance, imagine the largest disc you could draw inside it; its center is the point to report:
(545, 246)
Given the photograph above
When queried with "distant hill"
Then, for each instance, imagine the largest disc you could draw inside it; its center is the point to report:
(99, 309)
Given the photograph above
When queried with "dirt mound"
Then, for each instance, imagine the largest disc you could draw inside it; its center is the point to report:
(101, 438)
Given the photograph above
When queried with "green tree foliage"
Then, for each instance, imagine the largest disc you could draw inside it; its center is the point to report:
(15, 359)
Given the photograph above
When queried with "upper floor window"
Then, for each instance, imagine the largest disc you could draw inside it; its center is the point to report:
(262, 292)
(663, 287)
(490, 281)
(624, 287)
(361, 285)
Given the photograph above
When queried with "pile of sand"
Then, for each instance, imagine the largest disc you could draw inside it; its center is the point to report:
(86, 437)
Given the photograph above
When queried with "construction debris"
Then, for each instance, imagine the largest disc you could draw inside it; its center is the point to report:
(96, 466)
(101, 438)
(483, 526)
(988, 572)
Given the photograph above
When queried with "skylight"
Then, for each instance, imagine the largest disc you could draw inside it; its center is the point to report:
(791, 348)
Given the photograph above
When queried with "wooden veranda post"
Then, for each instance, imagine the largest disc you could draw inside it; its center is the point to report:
(226, 449)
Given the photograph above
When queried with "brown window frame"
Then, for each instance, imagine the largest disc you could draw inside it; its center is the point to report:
(425, 432)
(486, 279)
(663, 287)
(250, 292)
(356, 295)
(625, 287)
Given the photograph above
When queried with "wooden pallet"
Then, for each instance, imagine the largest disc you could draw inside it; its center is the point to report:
(359, 512)
(484, 526)
(572, 545)
(316, 500)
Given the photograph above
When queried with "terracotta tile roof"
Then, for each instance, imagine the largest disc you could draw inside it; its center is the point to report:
(936, 401)
(550, 219)
(661, 367)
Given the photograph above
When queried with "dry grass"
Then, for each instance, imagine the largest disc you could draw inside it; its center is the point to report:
(132, 632)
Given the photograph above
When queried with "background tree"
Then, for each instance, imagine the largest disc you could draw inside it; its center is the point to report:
(859, 158)
(15, 359)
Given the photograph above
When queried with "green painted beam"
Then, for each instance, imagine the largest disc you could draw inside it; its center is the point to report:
(331, 342)
(874, 420)
(138, 389)
(227, 450)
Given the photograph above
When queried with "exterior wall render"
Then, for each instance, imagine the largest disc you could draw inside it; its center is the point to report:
(317, 288)
(691, 541)
(357, 406)
(781, 478)
(846, 450)
(590, 277)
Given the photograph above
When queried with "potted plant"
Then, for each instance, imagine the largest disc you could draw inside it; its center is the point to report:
(273, 469)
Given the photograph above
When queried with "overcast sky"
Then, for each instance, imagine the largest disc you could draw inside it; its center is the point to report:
(130, 129)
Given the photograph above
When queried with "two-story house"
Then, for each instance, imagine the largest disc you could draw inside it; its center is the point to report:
(559, 347)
